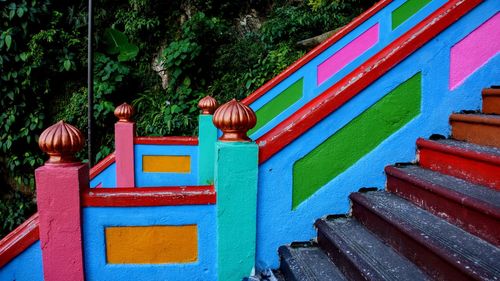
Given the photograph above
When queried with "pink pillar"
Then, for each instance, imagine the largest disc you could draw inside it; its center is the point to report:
(124, 147)
(58, 185)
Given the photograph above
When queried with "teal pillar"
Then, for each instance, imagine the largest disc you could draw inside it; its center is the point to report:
(236, 177)
(207, 136)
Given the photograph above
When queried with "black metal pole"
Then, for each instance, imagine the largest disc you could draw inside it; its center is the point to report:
(90, 80)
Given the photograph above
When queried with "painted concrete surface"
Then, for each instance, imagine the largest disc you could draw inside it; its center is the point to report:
(27, 266)
(347, 54)
(166, 164)
(407, 10)
(236, 175)
(107, 178)
(151, 244)
(356, 139)
(95, 220)
(144, 179)
(438, 102)
(309, 72)
(124, 154)
(58, 201)
(207, 136)
(279, 103)
(474, 50)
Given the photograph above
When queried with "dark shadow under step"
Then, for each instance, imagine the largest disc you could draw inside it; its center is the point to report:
(362, 256)
(305, 262)
(443, 250)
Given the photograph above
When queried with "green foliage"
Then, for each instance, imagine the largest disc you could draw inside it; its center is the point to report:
(15, 207)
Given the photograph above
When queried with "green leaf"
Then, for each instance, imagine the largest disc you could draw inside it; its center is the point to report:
(8, 41)
(67, 65)
(113, 40)
(127, 52)
(20, 12)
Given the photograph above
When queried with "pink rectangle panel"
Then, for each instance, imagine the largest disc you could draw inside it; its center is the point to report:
(348, 53)
(474, 50)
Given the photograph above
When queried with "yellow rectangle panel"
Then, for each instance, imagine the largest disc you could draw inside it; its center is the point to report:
(166, 164)
(151, 244)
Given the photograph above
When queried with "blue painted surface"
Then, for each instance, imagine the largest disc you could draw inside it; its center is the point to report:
(278, 224)
(143, 179)
(309, 71)
(96, 219)
(27, 266)
(107, 178)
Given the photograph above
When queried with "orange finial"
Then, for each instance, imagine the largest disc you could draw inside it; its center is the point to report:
(234, 119)
(208, 105)
(61, 141)
(124, 112)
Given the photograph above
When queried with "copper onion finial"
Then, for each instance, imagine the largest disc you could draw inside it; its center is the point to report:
(61, 141)
(124, 112)
(234, 119)
(208, 105)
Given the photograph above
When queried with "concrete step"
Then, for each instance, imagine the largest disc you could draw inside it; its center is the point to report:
(442, 250)
(362, 256)
(480, 129)
(475, 163)
(491, 100)
(474, 208)
(306, 262)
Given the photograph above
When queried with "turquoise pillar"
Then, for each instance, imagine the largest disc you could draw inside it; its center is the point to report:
(236, 177)
(207, 136)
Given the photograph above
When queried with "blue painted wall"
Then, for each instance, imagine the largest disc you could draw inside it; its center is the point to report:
(278, 224)
(143, 179)
(27, 266)
(107, 178)
(309, 71)
(96, 219)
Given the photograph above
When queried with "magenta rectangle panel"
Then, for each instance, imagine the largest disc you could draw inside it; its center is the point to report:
(348, 53)
(474, 50)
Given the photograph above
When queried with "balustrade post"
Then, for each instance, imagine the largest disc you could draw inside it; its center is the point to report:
(124, 146)
(58, 185)
(236, 177)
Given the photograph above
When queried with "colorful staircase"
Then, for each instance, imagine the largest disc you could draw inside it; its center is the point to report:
(438, 219)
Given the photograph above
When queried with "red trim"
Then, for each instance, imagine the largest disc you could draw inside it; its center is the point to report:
(149, 196)
(19, 240)
(348, 87)
(102, 165)
(167, 140)
(460, 152)
(316, 51)
(477, 167)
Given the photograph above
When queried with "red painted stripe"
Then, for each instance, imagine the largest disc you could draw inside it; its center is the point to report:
(351, 85)
(150, 196)
(473, 166)
(102, 165)
(167, 140)
(19, 240)
(316, 51)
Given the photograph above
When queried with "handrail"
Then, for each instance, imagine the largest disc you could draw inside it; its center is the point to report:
(351, 85)
(316, 51)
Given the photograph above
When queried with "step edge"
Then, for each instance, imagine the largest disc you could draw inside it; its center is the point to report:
(466, 153)
(483, 119)
(443, 253)
(490, 92)
(473, 203)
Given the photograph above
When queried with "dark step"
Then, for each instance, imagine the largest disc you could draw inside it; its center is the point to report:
(471, 162)
(443, 250)
(480, 129)
(362, 256)
(304, 262)
(473, 207)
(491, 101)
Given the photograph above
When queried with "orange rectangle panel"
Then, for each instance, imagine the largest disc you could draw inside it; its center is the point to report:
(151, 244)
(166, 163)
